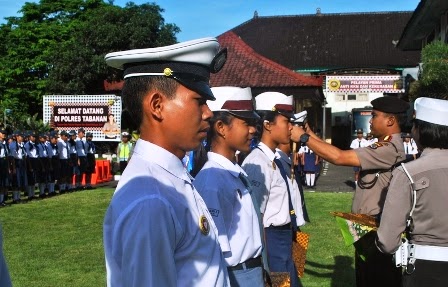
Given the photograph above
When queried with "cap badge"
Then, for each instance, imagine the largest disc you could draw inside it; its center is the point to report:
(274, 109)
(204, 226)
(218, 61)
(168, 72)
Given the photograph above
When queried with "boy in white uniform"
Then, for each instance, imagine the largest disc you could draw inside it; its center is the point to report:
(157, 229)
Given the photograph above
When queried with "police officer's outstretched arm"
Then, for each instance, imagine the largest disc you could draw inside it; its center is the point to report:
(326, 151)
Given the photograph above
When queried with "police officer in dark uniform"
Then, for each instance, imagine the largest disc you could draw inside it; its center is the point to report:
(376, 162)
(34, 167)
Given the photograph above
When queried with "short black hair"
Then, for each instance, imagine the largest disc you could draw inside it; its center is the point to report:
(134, 91)
(431, 135)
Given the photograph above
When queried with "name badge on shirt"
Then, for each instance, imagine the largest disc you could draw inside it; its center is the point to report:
(204, 225)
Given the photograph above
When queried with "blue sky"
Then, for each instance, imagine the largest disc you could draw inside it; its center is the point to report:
(204, 18)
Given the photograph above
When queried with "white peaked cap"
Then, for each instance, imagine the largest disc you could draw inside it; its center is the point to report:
(189, 63)
(274, 101)
(299, 117)
(236, 100)
(432, 110)
(199, 51)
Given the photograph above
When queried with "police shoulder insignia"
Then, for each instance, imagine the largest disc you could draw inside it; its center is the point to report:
(376, 145)
(204, 225)
(387, 138)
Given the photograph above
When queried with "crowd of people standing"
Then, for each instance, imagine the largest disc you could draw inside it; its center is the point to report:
(45, 162)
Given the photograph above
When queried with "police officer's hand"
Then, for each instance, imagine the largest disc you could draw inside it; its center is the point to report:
(296, 132)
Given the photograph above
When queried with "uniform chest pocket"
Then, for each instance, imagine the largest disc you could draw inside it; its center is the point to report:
(421, 183)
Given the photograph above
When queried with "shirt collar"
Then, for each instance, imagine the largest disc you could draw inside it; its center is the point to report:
(161, 157)
(283, 155)
(268, 152)
(231, 167)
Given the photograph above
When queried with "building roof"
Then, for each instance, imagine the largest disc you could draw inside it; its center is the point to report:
(246, 68)
(423, 21)
(330, 41)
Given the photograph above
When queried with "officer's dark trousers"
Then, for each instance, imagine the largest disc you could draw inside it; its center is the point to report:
(427, 273)
(378, 270)
(279, 249)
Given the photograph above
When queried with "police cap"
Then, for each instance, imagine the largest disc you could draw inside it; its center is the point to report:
(390, 105)
(406, 135)
(189, 63)
(72, 133)
(359, 131)
(64, 133)
(89, 135)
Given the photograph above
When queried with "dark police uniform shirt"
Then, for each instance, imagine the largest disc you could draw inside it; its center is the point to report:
(430, 217)
(378, 157)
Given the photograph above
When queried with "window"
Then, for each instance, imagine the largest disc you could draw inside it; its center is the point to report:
(363, 97)
(351, 97)
(340, 98)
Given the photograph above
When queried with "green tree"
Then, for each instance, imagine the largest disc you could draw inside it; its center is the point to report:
(58, 46)
(433, 79)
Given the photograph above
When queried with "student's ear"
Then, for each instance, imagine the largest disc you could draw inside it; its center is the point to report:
(153, 105)
(220, 128)
(267, 125)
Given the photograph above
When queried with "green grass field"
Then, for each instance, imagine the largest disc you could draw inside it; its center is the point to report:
(57, 242)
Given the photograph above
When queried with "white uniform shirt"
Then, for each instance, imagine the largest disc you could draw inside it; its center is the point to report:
(357, 143)
(81, 147)
(152, 234)
(305, 149)
(372, 141)
(17, 150)
(296, 198)
(230, 204)
(63, 149)
(268, 186)
(31, 150)
(410, 147)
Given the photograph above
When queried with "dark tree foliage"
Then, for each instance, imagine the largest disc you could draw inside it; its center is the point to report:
(58, 47)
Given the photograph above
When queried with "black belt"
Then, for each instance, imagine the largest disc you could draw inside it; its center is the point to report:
(281, 227)
(249, 263)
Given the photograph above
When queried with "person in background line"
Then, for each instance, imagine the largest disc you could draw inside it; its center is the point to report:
(73, 159)
(358, 143)
(81, 151)
(34, 166)
(370, 139)
(410, 147)
(418, 193)
(42, 176)
(18, 167)
(4, 168)
(91, 161)
(157, 228)
(225, 188)
(54, 174)
(310, 163)
(376, 162)
(124, 151)
(271, 186)
(64, 160)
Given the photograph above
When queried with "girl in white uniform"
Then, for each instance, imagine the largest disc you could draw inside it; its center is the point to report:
(224, 186)
(270, 183)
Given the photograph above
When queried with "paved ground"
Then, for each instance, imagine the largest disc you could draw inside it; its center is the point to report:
(335, 178)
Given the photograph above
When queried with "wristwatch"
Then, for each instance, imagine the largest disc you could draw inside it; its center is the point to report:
(304, 139)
